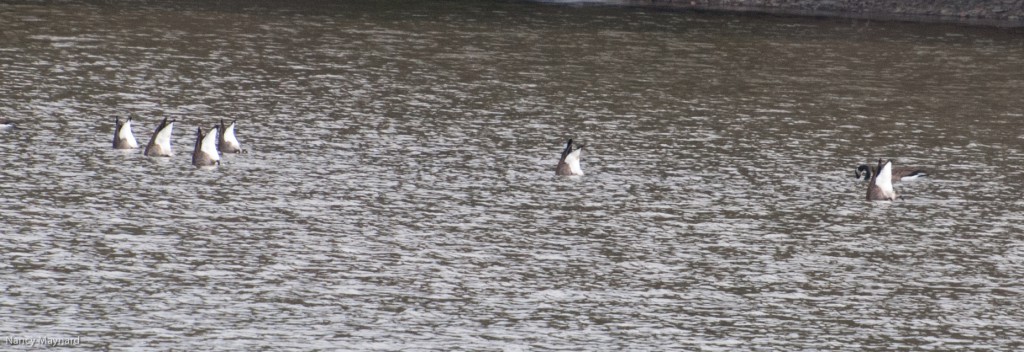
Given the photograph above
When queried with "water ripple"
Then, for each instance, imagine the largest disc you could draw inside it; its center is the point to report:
(398, 190)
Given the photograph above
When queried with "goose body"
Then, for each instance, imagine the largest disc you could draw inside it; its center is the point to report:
(205, 151)
(160, 143)
(880, 185)
(898, 174)
(123, 137)
(227, 142)
(569, 163)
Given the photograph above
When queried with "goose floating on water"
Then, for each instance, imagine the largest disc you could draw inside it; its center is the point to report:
(880, 185)
(227, 142)
(160, 143)
(123, 137)
(569, 163)
(205, 151)
(898, 174)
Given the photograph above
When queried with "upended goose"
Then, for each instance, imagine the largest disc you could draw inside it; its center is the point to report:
(227, 142)
(569, 163)
(205, 151)
(160, 143)
(880, 185)
(123, 137)
(898, 174)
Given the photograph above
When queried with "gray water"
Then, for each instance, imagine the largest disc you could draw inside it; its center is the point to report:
(399, 192)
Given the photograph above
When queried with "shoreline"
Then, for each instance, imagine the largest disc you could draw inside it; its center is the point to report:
(991, 13)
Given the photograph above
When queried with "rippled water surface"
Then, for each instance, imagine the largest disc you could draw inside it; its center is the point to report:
(399, 193)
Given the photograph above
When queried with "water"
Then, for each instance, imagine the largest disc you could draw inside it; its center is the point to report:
(399, 193)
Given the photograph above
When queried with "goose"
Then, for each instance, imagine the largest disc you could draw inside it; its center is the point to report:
(898, 174)
(880, 185)
(228, 143)
(123, 137)
(7, 125)
(160, 143)
(569, 163)
(205, 151)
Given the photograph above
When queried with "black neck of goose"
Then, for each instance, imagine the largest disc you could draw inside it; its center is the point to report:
(568, 149)
(865, 171)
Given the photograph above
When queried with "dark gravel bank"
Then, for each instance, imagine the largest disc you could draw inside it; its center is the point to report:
(1005, 13)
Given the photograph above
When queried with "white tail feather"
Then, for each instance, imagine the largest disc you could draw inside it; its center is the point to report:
(573, 159)
(229, 135)
(163, 138)
(884, 180)
(209, 144)
(126, 134)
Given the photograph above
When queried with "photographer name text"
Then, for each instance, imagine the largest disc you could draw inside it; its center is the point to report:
(43, 341)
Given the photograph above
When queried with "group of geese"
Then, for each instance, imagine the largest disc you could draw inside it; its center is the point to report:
(219, 139)
(879, 178)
